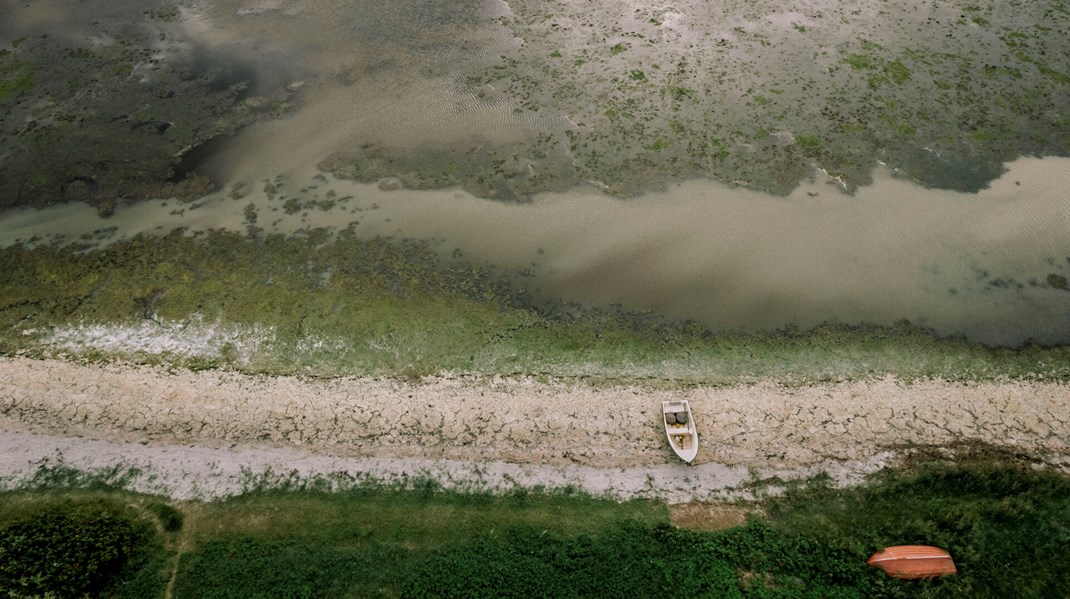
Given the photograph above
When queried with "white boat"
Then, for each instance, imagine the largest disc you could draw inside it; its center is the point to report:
(680, 428)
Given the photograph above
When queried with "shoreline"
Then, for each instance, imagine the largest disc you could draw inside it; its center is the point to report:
(214, 431)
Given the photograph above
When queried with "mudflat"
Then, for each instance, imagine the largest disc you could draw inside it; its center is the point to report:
(546, 432)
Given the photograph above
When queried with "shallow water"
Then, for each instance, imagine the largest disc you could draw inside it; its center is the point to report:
(978, 265)
(990, 265)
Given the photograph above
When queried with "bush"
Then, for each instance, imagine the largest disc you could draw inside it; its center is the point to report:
(77, 550)
(170, 518)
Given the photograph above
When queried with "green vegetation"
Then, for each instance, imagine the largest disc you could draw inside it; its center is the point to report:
(752, 560)
(1024, 45)
(905, 130)
(896, 71)
(348, 306)
(90, 544)
(809, 142)
(1006, 525)
(881, 71)
(859, 62)
(996, 518)
(15, 76)
(679, 93)
(366, 542)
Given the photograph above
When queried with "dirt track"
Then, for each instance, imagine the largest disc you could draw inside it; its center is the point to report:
(522, 430)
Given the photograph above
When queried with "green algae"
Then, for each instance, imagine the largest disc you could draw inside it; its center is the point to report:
(641, 105)
(16, 76)
(949, 80)
(326, 306)
(108, 121)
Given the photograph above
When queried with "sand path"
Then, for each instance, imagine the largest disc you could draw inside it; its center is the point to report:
(207, 433)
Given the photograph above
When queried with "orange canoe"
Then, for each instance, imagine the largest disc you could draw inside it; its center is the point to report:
(913, 561)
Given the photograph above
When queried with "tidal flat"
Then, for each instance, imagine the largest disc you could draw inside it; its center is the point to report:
(636, 95)
(249, 226)
(333, 304)
(506, 99)
(747, 168)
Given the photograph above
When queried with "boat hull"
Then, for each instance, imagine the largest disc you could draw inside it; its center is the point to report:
(913, 561)
(680, 429)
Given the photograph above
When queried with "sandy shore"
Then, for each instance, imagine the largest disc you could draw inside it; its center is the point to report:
(210, 433)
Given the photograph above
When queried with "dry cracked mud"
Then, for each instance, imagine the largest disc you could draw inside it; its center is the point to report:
(203, 433)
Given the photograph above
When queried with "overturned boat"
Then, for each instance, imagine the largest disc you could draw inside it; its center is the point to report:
(913, 561)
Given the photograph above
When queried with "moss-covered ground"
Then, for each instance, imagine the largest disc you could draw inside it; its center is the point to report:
(348, 306)
(1005, 524)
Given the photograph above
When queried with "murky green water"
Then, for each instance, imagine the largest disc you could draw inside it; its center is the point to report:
(748, 166)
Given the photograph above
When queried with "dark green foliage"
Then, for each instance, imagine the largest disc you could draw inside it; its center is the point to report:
(170, 518)
(363, 542)
(635, 561)
(64, 478)
(76, 549)
(484, 570)
(250, 567)
(1007, 526)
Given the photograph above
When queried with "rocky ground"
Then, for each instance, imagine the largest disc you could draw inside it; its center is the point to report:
(211, 432)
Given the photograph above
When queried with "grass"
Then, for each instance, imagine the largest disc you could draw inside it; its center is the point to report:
(437, 519)
(1005, 523)
(378, 536)
(386, 308)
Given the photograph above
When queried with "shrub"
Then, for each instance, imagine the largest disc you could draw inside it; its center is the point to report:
(170, 518)
(77, 550)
